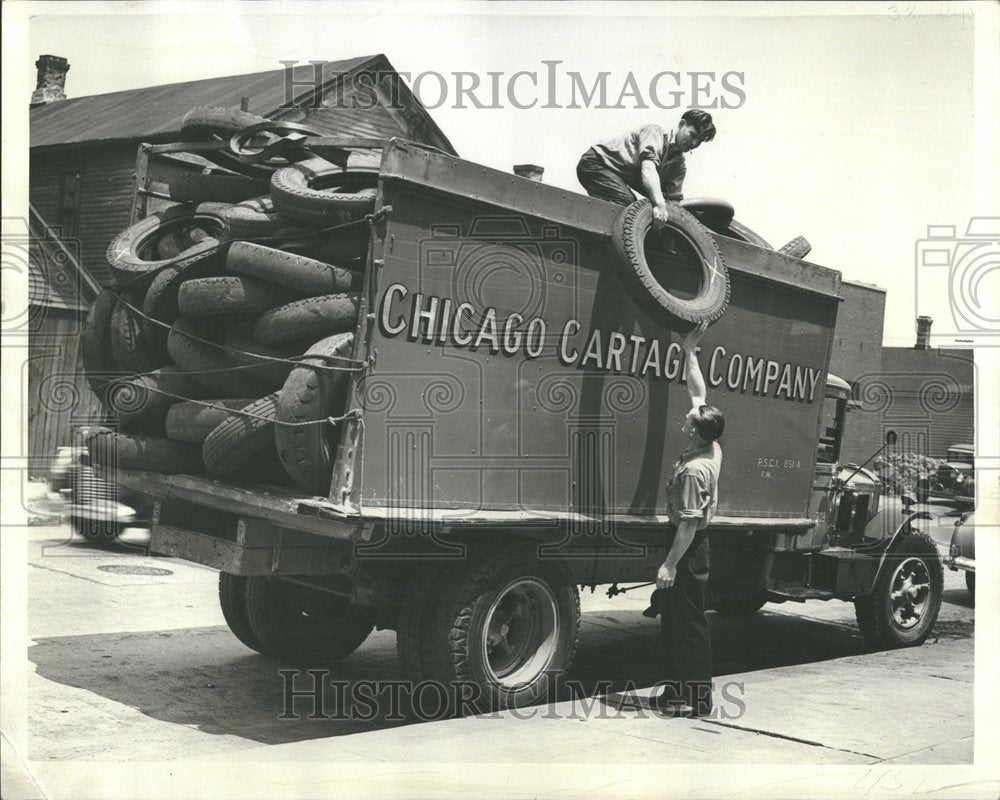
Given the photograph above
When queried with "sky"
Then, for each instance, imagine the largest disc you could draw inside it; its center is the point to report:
(853, 127)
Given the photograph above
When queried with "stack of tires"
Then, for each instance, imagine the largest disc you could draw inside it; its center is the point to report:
(225, 346)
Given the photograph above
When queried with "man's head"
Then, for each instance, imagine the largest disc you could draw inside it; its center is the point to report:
(705, 422)
(696, 127)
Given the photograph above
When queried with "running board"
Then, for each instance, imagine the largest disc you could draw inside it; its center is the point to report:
(798, 595)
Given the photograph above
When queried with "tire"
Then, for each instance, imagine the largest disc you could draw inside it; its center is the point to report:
(192, 422)
(491, 588)
(132, 351)
(146, 453)
(630, 230)
(301, 625)
(143, 402)
(233, 601)
(230, 294)
(212, 123)
(970, 582)
(340, 247)
(887, 622)
(128, 254)
(241, 350)
(257, 218)
(315, 192)
(307, 320)
(741, 233)
(711, 212)
(415, 624)
(739, 606)
(95, 345)
(230, 445)
(207, 363)
(160, 302)
(218, 188)
(798, 247)
(95, 530)
(307, 276)
(307, 451)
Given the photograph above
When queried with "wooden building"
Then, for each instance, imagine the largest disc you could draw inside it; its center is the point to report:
(82, 164)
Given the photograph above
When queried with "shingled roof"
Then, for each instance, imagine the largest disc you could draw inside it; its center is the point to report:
(154, 113)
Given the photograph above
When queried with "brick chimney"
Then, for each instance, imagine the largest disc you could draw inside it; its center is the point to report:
(530, 171)
(51, 80)
(923, 333)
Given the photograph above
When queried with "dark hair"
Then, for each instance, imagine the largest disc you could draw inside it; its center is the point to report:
(701, 121)
(708, 423)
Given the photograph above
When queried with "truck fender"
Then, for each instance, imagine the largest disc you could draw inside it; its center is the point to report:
(901, 532)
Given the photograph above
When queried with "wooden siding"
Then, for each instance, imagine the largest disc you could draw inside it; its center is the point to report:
(58, 393)
(105, 196)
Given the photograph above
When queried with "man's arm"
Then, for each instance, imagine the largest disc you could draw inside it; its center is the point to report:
(651, 188)
(667, 573)
(695, 380)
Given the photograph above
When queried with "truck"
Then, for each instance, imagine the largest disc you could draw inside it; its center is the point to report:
(513, 409)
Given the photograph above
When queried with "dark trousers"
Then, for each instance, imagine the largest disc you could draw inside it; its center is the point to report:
(687, 641)
(601, 182)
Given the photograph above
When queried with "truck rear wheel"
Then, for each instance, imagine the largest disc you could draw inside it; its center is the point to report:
(739, 606)
(302, 625)
(904, 604)
(508, 624)
(233, 600)
(415, 625)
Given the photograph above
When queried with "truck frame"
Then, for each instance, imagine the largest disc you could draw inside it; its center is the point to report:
(509, 431)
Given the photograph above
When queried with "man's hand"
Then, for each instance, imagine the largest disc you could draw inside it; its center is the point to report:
(660, 216)
(665, 576)
(693, 337)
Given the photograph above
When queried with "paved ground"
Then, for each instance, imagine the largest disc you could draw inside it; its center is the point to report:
(135, 668)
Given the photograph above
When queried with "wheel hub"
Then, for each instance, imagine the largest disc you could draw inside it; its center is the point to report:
(910, 592)
(520, 633)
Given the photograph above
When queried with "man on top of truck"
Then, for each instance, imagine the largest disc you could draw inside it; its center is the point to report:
(646, 160)
(681, 581)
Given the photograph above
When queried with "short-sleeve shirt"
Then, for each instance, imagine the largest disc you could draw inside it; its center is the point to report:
(693, 491)
(624, 157)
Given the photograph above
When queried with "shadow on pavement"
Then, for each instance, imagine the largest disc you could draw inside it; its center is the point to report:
(203, 678)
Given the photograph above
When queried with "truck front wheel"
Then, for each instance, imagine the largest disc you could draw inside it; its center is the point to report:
(233, 601)
(302, 625)
(508, 625)
(904, 603)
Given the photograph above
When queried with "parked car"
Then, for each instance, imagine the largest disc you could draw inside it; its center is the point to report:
(955, 479)
(962, 551)
(95, 508)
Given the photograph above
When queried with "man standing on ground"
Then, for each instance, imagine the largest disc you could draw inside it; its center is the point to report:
(682, 579)
(646, 160)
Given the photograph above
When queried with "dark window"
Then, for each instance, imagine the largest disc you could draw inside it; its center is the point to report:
(67, 217)
(831, 430)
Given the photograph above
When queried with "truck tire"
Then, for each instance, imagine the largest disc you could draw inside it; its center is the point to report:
(132, 351)
(257, 218)
(415, 624)
(192, 422)
(713, 213)
(212, 123)
(217, 188)
(129, 253)
(904, 604)
(343, 247)
(233, 601)
(206, 363)
(301, 625)
(798, 247)
(630, 230)
(307, 320)
(241, 349)
(160, 302)
(149, 453)
(95, 529)
(741, 233)
(508, 622)
(95, 345)
(230, 445)
(315, 192)
(230, 294)
(142, 403)
(307, 276)
(306, 451)
(739, 606)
